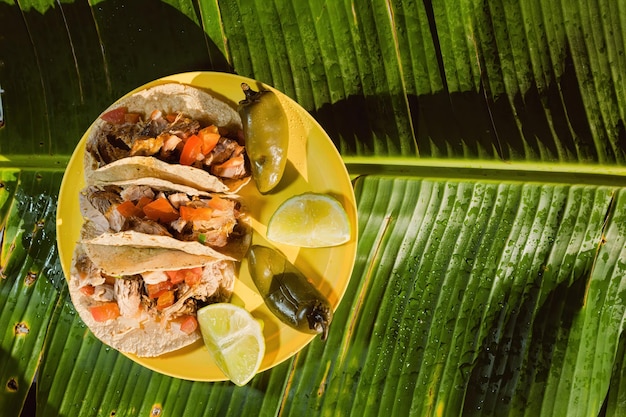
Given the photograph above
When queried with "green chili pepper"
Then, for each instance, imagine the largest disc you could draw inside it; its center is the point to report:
(288, 294)
(266, 133)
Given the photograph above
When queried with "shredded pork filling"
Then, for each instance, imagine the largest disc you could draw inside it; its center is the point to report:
(216, 230)
(163, 139)
(132, 297)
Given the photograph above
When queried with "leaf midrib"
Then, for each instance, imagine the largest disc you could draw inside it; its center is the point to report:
(489, 171)
(433, 168)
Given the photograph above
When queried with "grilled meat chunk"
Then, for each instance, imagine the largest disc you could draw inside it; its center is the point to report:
(103, 199)
(147, 226)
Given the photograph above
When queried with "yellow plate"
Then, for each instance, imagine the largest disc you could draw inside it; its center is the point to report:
(314, 165)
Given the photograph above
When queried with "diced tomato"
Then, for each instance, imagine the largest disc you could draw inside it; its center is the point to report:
(88, 290)
(116, 116)
(160, 210)
(156, 114)
(210, 135)
(131, 117)
(190, 275)
(189, 324)
(128, 209)
(104, 312)
(191, 150)
(219, 203)
(193, 276)
(175, 277)
(143, 201)
(165, 300)
(195, 213)
(156, 290)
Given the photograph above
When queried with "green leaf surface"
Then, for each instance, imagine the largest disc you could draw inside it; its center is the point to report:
(29, 278)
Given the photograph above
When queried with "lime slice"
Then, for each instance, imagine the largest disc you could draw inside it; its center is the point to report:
(234, 339)
(309, 220)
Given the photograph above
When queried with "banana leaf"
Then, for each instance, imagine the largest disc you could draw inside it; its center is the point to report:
(486, 140)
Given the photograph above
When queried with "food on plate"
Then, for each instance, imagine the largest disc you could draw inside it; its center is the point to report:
(170, 131)
(122, 243)
(288, 294)
(147, 308)
(173, 215)
(234, 338)
(311, 220)
(266, 135)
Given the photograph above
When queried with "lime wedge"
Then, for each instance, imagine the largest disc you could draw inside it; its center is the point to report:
(309, 220)
(234, 339)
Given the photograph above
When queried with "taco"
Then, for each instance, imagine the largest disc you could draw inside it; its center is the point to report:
(171, 131)
(153, 212)
(141, 309)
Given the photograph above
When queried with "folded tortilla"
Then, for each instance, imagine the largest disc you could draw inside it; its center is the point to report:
(108, 157)
(225, 235)
(141, 328)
